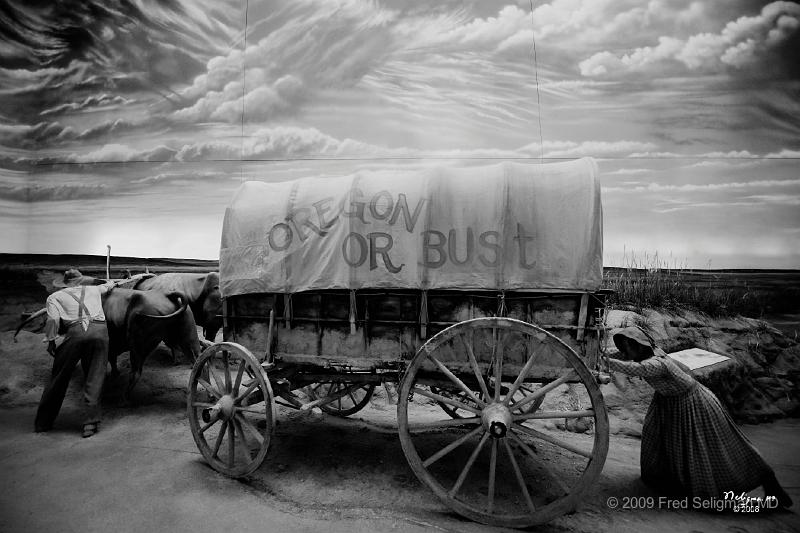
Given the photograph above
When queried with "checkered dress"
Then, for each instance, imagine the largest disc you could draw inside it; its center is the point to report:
(690, 445)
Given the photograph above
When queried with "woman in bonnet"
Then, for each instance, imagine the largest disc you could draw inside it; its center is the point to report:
(690, 445)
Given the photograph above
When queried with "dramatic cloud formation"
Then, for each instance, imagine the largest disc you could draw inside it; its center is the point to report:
(162, 108)
(759, 43)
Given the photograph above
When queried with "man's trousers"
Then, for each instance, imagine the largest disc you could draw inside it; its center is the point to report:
(90, 347)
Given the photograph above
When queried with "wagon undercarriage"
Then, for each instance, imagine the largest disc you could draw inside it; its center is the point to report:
(485, 450)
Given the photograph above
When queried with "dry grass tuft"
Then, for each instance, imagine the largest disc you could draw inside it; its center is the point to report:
(654, 283)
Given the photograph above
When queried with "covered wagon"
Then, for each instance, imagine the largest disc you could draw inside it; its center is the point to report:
(475, 291)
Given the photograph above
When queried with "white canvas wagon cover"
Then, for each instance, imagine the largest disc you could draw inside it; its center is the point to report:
(507, 226)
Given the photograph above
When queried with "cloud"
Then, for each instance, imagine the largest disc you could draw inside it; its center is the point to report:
(732, 154)
(90, 102)
(785, 153)
(758, 43)
(560, 149)
(776, 199)
(50, 134)
(767, 201)
(120, 153)
(265, 102)
(628, 172)
(456, 32)
(51, 193)
(283, 142)
(291, 142)
(187, 176)
(697, 187)
(292, 52)
(107, 154)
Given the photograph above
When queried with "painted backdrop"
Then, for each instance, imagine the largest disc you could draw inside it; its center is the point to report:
(132, 122)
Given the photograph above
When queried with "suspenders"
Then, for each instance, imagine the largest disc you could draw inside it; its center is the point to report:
(81, 306)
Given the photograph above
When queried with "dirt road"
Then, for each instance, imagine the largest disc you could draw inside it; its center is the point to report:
(142, 472)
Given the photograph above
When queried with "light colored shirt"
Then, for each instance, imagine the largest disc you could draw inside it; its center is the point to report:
(65, 307)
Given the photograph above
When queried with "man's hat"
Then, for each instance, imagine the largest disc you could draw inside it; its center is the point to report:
(70, 278)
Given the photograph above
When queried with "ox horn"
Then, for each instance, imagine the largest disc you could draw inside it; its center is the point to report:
(33, 316)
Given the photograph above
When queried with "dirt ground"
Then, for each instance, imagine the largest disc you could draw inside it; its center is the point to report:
(143, 472)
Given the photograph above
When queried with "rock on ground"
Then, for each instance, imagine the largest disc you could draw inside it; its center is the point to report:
(760, 383)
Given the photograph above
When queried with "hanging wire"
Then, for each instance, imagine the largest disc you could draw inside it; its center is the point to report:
(244, 80)
(536, 74)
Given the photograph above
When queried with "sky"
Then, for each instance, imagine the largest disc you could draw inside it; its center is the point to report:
(131, 123)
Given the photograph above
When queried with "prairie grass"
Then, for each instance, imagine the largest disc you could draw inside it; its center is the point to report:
(654, 283)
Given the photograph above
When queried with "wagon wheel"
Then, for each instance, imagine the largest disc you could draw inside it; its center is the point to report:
(231, 409)
(501, 465)
(455, 412)
(350, 401)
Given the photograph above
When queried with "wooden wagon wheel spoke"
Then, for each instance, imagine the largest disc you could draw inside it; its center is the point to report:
(510, 369)
(519, 381)
(532, 454)
(542, 415)
(250, 388)
(448, 423)
(474, 364)
(497, 356)
(492, 474)
(227, 368)
(246, 448)
(231, 442)
(210, 388)
(238, 382)
(547, 388)
(220, 384)
(252, 429)
(207, 426)
(519, 476)
(529, 408)
(448, 392)
(450, 447)
(250, 410)
(468, 466)
(352, 396)
(221, 436)
(525, 430)
(445, 400)
(457, 382)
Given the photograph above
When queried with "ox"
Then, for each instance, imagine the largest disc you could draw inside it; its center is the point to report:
(200, 290)
(139, 320)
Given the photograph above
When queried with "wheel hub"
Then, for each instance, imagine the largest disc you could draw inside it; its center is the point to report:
(222, 409)
(496, 418)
